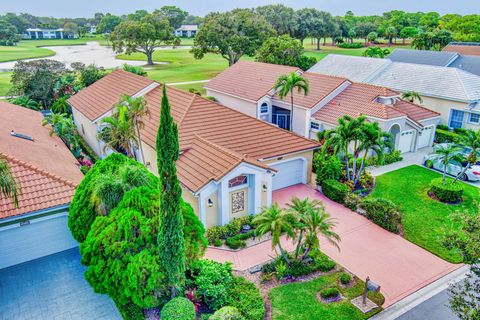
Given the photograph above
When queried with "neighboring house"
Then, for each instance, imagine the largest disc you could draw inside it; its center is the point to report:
(36, 33)
(436, 58)
(229, 162)
(452, 92)
(465, 48)
(187, 31)
(248, 88)
(48, 174)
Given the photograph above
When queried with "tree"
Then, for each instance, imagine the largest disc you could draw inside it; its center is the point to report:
(193, 20)
(376, 52)
(429, 21)
(90, 74)
(282, 18)
(372, 37)
(412, 96)
(108, 23)
(390, 32)
(18, 21)
(137, 109)
(70, 29)
(8, 33)
(364, 29)
(8, 185)
(408, 32)
(446, 153)
(305, 18)
(119, 133)
(276, 221)
(231, 34)
(286, 84)
(142, 36)
(171, 244)
(465, 296)
(284, 50)
(174, 15)
(322, 26)
(470, 139)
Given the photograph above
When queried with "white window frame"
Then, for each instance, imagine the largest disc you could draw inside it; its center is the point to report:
(470, 118)
(315, 123)
(264, 105)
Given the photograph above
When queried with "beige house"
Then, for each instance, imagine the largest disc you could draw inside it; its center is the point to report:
(230, 163)
(248, 87)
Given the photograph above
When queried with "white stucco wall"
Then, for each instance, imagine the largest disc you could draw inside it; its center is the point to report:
(87, 129)
(238, 104)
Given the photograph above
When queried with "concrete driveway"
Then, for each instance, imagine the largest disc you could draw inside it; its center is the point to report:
(399, 266)
(52, 287)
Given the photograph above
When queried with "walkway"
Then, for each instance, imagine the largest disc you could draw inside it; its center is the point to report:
(408, 160)
(52, 287)
(399, 266)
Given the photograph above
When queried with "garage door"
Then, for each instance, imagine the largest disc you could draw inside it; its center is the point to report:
(425, 137)
(405, 141)
(35, 240)
(288, 173)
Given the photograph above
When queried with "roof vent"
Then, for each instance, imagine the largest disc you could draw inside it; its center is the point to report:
(21, 136)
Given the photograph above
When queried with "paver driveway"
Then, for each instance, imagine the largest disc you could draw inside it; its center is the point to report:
(54, 288)
(399, 266)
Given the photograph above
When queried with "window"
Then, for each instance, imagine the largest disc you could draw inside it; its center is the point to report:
(264, 108)
(456, 119)
(475, 118)
(314, 126)
(238, 181)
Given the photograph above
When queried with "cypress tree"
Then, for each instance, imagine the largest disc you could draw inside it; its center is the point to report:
(170, 238)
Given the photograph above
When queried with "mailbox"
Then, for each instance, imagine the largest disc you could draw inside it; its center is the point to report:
(372, 286)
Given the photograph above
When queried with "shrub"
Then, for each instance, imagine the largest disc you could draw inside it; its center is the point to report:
(130, 311)
(459, 130)
(246, 297)
(329, 293)
(179, 308)
(217, 232)
(227, 313)
(449, 192)
(87, 149)
(212, 280)
(217, 243)
(443, 127)
(442, 136)
(327, 167)
(345, 278)
(388, 158)
(235, 243)
(352, 200)
(383, 212)
(335, 190)
(322, 262)
(135, 70)
(346, 45)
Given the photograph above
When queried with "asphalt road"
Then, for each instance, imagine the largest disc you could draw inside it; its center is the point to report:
(435, 308)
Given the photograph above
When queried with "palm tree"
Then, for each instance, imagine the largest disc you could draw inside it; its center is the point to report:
(8, 185)
(390, 32)
(469, 139)
(277, 222)
(445, 153)
(119, 133)
(318, 222)
(137, 109)
(286, 84)
(412, 96)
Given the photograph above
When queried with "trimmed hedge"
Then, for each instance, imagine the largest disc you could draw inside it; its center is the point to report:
(345, 278)
(246, 297)
(227, 313)
(179, 308)
(327, 167)
(383, 212)
(448, 193)
(346, 45)
(443, 136)
(329, 293)
(335, 190)
(130, 311)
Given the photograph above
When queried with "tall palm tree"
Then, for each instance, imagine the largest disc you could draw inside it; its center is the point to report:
(137, 109)
(119, 133)
(412, 96)
(8, 186)
(286, 84)
(445, 153)
(318, 222)
(276, 221)
(470, 139)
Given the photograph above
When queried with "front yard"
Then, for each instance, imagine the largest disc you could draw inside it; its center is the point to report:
(424, 219)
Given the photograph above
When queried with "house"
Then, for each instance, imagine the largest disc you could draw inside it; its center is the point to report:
(438, 58)
(186, 31)
(464, 48)
(248, 87)
(37, 33)
(48, 174)
(229, 162)
(452, 92)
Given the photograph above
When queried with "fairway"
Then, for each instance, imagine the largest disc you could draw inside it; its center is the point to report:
(4, 83)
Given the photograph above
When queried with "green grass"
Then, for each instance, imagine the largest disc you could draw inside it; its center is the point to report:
(424, 219)
(5, 83)
(196, 86)
(298, 301)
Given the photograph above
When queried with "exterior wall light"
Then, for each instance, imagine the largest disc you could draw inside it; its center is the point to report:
(264, 187)
(210, 203)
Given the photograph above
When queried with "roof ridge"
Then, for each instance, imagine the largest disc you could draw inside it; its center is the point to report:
(184, 115)
(219, 147)
(457, 74)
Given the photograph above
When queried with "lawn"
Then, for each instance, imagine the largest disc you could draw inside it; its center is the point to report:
(196, 86)
(424, 219)
(4, 83)
(298, 301)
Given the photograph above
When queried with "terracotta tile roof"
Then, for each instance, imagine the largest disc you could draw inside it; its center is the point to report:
(220, 125)
(205, 161)
(320, 86)
(38, 189)
(46, 152)
(249, 80)
(101, 96)
(361, 99)
(468, 50)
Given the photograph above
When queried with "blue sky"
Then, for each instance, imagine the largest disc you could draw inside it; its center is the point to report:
(86, 8)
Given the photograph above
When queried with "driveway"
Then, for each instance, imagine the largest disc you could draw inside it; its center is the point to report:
(52, 287)
(399, 266)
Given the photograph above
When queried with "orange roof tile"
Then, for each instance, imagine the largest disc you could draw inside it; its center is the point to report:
(468, 50)
(38, 189)
(101, 96)
(249, 80)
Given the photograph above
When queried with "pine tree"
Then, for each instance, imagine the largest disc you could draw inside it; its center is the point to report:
(170, 238)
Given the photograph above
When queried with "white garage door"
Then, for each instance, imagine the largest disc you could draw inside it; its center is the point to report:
(425, 137)
(288, 173)
(405, 141)
(35, 240)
